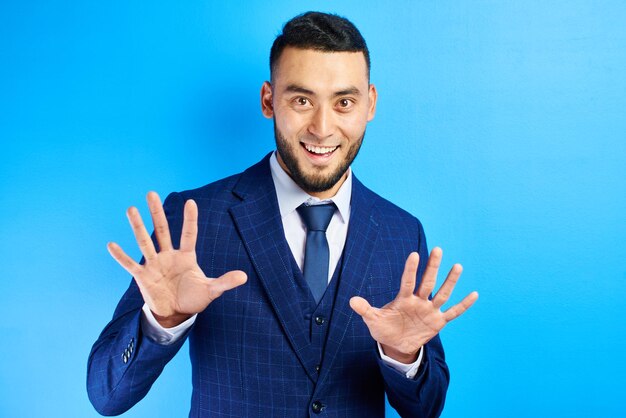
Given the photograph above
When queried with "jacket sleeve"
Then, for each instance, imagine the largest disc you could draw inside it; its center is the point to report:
(425, 394)
(123, 363)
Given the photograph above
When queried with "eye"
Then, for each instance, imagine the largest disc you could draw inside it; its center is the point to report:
(302, 101)
(345, 104)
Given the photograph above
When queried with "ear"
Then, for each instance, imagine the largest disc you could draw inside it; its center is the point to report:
(373, 96)
(267, 107)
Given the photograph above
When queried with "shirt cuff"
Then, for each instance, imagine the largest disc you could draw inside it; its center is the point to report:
(409, 370)
(157, 333)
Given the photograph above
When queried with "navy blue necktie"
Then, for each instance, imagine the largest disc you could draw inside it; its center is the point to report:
(316, 253)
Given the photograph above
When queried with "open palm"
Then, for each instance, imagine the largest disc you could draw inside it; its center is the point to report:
(170, 280)
(409, 321)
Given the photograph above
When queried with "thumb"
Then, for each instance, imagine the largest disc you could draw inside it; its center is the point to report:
(360, 306)
(227, 281)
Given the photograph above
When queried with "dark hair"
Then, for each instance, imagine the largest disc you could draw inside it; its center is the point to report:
(320, 32)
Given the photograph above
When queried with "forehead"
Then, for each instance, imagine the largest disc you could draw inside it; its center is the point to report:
(320, 70)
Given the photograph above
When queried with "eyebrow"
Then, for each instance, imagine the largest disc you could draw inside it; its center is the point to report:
(349, 91)
(294, 88)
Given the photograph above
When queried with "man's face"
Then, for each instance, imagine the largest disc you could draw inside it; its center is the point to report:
(320, 103)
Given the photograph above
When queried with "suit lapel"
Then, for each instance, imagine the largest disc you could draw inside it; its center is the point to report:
(257, 218)
(360, 244)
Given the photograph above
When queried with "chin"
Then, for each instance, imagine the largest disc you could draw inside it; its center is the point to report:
(314, 179)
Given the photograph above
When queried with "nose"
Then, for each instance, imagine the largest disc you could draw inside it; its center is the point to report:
(322, 124)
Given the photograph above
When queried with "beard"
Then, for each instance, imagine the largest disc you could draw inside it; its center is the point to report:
(317, 181)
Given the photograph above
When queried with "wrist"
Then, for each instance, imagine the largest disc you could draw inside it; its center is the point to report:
(172, 320)
(399, 356)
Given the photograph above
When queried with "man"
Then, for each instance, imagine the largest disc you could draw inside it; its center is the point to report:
(288, 327)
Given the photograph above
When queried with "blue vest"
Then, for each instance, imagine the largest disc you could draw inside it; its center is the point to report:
(316, 317)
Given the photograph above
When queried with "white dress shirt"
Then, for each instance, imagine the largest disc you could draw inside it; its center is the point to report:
(290, 196)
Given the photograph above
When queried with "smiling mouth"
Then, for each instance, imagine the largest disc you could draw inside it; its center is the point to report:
(321, 151)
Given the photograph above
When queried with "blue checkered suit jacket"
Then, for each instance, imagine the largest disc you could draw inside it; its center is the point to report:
(250, 352)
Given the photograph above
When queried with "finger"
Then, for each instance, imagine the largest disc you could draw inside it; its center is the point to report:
(141, 235)
(361, 306)
(444, 292)
(226, 282)
(123, 259)
(458, 309)
(407, 284)
(429, 278)
(161, 228)
(190, 227)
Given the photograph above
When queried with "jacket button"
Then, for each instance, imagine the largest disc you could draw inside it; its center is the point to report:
(318, 407)
(317, 367)
(319, 320)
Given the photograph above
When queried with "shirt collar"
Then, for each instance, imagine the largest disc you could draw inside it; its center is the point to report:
(290, 195)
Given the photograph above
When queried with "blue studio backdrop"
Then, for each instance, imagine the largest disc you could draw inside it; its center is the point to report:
(500, 125)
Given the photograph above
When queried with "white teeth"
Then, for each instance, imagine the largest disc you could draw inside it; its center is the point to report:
(319, 150)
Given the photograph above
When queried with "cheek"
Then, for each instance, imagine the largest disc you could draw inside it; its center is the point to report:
(290, 124)
(353, 127)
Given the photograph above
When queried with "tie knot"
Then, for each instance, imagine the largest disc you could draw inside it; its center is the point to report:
(316, 217)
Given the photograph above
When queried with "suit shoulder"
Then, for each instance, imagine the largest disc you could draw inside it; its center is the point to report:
(388, 209)
(398, 228)
(215, 190)
(231, 187)
(392, 216)
(213, 197)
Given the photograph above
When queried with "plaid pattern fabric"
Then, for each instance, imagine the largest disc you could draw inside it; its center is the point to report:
(251, 355)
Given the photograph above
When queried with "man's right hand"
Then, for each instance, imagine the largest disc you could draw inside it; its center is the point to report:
(170, 281)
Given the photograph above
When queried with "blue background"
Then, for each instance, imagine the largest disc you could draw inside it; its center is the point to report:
(500, 125)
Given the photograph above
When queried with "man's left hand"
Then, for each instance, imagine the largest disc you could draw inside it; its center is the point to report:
(409, 321)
